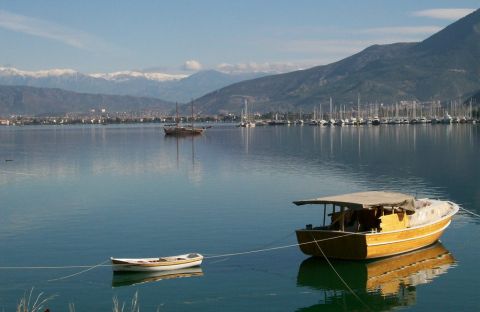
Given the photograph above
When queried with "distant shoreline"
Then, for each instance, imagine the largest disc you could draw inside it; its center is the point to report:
(20, 122)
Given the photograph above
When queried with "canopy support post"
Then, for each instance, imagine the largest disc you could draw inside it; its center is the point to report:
(342, 224)
(324, 213)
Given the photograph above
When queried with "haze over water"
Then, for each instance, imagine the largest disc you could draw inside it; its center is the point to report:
(78, 195)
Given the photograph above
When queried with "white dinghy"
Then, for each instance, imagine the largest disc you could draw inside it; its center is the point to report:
(157, 264)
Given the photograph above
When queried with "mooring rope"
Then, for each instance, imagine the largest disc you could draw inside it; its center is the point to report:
(219, 256)
(103, 264)
(60, 267)
(78, 273)
(279, 247)
(18, 173)
(339, 276)
(278, 240)
(470, 212)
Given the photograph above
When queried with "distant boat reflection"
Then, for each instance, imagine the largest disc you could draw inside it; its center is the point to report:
(381, 285)
(134, 278)
(177, 141)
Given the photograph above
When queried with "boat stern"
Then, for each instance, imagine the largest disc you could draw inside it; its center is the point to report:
(332, 244)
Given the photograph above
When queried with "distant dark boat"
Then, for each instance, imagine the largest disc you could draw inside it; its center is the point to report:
(278, 122)
(375, 121)
(178, 130)
(182, 131)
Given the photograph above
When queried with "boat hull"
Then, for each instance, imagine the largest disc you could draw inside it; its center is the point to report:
(150, 265)
(361, 246)
(182, 131)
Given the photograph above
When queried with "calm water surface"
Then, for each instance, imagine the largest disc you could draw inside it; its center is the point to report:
(78, 195)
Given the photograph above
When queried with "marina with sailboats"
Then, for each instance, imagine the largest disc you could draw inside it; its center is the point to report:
(239, 156)
(161, 183)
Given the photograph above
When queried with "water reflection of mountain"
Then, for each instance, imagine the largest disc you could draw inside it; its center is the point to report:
(97, 150)
(381, 285)
(411, 158)
(134, 278)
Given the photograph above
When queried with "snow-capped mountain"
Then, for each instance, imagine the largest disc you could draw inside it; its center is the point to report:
(11, 71)
(63, 72)
(171, 87)
(127, 75)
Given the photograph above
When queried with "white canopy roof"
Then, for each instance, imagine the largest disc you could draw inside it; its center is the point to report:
(366, 200)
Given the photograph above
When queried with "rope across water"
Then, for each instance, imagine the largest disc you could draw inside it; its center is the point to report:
(78, 273)
(470, 212)
(279, 247)
(103, 264)
(339, 276)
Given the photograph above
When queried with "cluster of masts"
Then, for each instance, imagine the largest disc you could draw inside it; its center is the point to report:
(404, 112)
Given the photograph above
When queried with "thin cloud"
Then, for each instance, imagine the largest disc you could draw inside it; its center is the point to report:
(344, 44)
(192, 65)
(340, 47)
(444, 14)
(402, 30)
(255, 67)
(45, 29)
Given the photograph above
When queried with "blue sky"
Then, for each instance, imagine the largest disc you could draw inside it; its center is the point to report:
(172, 36)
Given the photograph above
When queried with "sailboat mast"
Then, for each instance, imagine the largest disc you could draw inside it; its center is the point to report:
(331, 108)
(358, 106)
(176, 107)
(246, 110)
(192, 114)
(470, 114)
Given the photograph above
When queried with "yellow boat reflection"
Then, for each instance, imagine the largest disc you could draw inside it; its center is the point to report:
(383, 283)
(134, 278)
(410, 269)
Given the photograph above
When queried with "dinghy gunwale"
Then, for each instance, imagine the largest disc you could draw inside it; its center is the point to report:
(156, 264)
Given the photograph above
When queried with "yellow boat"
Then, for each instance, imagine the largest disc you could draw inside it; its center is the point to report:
(374, 224)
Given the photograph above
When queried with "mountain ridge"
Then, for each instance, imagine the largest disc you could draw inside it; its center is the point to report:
(32, 101)
(442, 67)
(170, 87)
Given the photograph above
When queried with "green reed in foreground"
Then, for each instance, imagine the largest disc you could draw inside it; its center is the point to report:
(39, 304)
(28, 304)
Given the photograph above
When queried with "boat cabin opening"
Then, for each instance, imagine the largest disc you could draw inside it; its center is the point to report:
(343, 218)
(364, 212)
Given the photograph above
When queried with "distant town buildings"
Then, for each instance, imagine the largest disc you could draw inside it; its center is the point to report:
(406, 111)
